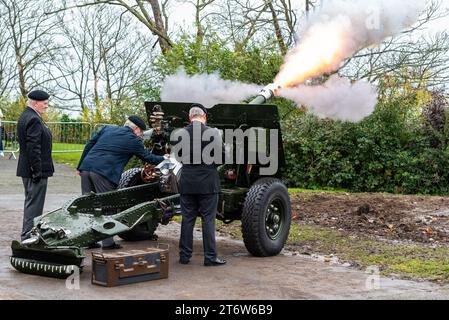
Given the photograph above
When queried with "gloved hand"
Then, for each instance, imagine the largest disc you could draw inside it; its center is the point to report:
(37, 178)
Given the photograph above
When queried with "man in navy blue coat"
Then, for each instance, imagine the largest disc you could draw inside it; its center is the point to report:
(106, 155)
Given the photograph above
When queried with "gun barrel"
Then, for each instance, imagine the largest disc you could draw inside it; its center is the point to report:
(265, 94)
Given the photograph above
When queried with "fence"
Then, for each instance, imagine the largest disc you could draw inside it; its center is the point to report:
(8, 136)
(67, 136)
(98, 126)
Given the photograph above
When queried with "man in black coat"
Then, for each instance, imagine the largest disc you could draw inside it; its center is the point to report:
(199, 187)
(35, 163)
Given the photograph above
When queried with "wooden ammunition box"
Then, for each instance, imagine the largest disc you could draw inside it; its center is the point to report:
(131, 266)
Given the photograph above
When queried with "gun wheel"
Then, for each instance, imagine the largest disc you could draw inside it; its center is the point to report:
(266, 217)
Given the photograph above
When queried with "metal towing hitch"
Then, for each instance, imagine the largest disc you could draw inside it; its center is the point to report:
(55, 247)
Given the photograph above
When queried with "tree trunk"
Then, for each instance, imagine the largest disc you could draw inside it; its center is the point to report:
(20, 67)
(21, 73)
(96, 94)
(199, 28)
(164, 43)
(277, 29)
(104, 58)
(308, 7)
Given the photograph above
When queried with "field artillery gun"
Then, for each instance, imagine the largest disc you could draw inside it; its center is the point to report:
(148, 196)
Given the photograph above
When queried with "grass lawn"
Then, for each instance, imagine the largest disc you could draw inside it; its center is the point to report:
(10, 146)
(414, 261)
(69, 158)
(300, 190)
(67, 146)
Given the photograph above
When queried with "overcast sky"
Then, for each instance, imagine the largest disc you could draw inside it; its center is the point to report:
(183, 14)
(441, 24)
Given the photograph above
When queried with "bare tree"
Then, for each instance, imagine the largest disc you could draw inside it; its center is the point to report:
(126, 59)
(277, 27)
(290, 15)
(30, 36)
(421, 60)
(7, 71)
(200, 6)
(139, 9)
(107, 58)
(253, 21)
(70, 68)
(310, 5)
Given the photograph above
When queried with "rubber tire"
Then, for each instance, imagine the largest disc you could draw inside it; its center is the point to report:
(130, 178)
(255, 207)
(144, 231)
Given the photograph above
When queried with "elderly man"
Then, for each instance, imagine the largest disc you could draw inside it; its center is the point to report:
(106, 155)
(35, 163)
(199, 189)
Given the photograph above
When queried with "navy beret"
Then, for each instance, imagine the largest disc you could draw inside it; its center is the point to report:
(197, 105)
(138, 122)
(38, 95)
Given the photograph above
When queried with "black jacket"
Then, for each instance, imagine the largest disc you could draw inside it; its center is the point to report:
(200, 178)
(35, 143)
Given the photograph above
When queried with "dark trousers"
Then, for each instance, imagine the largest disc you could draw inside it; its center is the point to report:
(93, 182)
(193, 205)
(34, 203)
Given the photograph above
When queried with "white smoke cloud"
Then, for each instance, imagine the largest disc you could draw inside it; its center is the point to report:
(345, 27)
(368, 22)
(349, 25)
(331, 35)
(337, 99)
(207, 89)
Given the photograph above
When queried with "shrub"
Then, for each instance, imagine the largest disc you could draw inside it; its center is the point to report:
(390, 151)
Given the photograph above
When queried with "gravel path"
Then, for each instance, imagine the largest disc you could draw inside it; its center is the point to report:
(244, 277)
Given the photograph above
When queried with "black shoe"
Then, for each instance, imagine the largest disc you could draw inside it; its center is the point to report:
(95, 245)
(184, 261)
(112, 247)
(216, 262)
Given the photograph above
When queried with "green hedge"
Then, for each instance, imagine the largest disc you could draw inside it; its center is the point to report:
(390, 151)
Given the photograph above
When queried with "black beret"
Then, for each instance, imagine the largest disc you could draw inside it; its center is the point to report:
(38, 95)
(138, 122)
(197, 105)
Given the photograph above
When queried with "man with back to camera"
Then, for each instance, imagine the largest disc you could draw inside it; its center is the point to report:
(35, 163)
(106, 155)
(199, 187)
